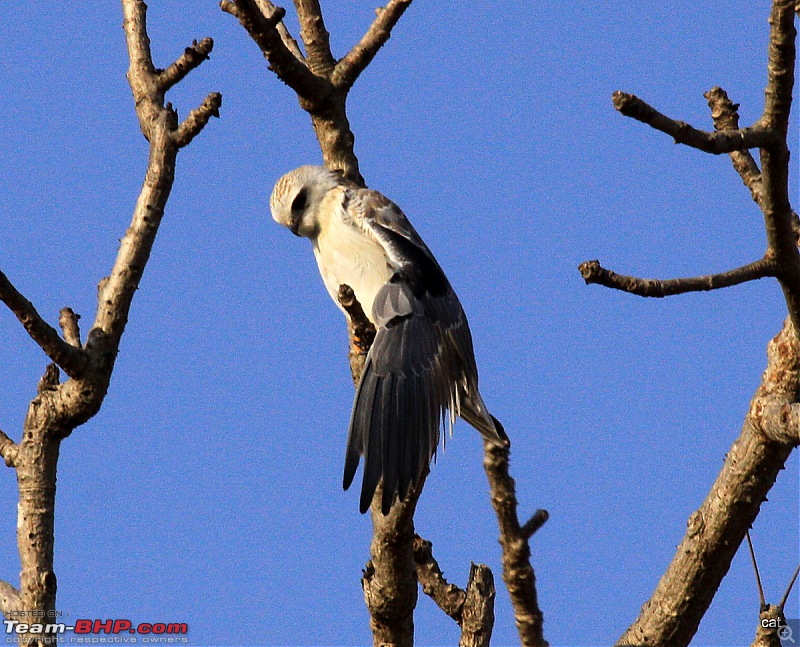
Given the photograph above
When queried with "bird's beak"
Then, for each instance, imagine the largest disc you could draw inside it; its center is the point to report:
(294, 226)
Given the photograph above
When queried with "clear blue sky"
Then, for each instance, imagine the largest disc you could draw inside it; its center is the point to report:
(208, 489)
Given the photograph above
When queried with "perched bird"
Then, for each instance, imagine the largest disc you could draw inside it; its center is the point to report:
(420, 371)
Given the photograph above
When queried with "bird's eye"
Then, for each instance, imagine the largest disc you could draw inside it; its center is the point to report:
(300, 201)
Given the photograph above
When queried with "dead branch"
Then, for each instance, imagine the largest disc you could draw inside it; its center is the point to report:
(68, 321)
(477, 618)
(58, 408)
(357, 59)
(716, 142)
(191, 58)
(771, 430)
(448, 597)
(321, 84)
(726, 117)
(593, 272)
(518, 574)
(717, 528)
(390, 577)
(9, 599)
(472, 609)
(8, 449)
(73, 360)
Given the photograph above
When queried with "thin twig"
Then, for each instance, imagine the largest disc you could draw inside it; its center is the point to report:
(788, 592)
(593, 272)
(532, 525)
(761, 599)
(357, 59)
(717, 142)
(73, 360)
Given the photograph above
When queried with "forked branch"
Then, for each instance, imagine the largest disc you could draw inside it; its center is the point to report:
(321, 84)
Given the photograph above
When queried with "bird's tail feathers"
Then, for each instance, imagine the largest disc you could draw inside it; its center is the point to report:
(474, 411)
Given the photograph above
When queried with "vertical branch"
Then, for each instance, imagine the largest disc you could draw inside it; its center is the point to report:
(518, 573)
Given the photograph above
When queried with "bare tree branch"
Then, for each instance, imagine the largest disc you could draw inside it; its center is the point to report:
(58, 408)
(191, 58)
(532, 525)
(159, 124)
(73, 360)
(448, 597)
(780, 68)
(593, 272)
(9, 600)
(726, 118)
(68, 321)
(315, 37)
(716, 530)
(779, 218)
(477, 619)
(8, 449)
(350, 67)
(390, 577)
(197, 119)
(717, 142)
(360, 330)
(321, 85)
(472, 609)
(263, 30)
(518, 573)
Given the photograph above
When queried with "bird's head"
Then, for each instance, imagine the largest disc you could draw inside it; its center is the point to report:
(297, 197)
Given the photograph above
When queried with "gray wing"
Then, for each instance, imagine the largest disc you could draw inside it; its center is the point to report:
(420, 367)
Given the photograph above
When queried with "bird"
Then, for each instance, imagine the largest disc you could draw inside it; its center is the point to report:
(420, 373)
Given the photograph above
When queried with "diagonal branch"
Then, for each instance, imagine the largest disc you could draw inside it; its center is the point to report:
(357, 59)
(717, 142)
(593, 272)
(726, 117)
(8, 449)
(262, 28)
(716, 530)
(191, 58)
(448, 597)
(197, 119)
(73, 360)
(160, 126)
(10, 602)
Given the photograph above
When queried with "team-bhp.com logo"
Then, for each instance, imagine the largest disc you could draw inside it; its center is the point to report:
(95, 631)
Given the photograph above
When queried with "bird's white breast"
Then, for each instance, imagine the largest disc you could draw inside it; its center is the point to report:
(346, 255)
